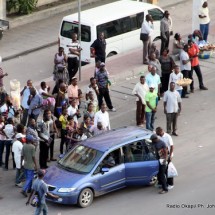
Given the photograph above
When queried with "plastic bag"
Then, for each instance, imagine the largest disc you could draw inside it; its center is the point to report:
(172, 172)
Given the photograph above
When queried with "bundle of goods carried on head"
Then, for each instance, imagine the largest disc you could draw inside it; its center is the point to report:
(207, 47)
(184, 82)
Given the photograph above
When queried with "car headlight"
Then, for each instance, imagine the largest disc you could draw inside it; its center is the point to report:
(66, 190)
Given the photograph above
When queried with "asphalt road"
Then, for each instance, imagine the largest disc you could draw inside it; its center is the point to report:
(193, 152)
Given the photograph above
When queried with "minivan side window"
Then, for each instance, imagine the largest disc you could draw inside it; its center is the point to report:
(138, 151)
(120, 26)
(156, 14)
(69, 27)
(113, 159)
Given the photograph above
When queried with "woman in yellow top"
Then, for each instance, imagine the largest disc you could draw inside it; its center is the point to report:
(64, 121)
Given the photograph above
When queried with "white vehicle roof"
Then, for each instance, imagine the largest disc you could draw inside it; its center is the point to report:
(103, 13)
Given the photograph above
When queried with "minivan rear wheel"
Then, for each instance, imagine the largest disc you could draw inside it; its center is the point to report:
(85, 198)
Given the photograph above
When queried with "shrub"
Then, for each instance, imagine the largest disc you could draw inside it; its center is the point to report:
(21, 6)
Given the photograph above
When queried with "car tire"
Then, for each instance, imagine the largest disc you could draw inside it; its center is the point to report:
(85, 198)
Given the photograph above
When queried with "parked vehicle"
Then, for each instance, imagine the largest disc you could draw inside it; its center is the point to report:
(102, 164)
(120, 21)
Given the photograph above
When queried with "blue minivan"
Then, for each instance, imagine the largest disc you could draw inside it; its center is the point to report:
(102, 164)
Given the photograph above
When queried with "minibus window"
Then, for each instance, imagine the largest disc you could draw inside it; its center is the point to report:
(68, 28)
(156, 14)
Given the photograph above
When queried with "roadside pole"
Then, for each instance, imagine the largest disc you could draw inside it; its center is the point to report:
(195, 18)
(2, 9)
(79, 35)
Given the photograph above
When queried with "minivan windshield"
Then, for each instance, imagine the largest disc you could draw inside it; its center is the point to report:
(81, 159)
(68, 28)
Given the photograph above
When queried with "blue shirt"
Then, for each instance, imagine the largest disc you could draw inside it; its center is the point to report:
(37, 100)
(102, 78)
(41, 188)
(153, 80)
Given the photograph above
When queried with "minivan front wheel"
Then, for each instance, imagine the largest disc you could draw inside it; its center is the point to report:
(85, 198)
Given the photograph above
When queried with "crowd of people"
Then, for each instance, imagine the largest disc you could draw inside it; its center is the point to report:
(45, 114)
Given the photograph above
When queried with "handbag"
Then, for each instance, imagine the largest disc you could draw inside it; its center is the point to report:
(144, 37)
(171, 172)
(35, 200)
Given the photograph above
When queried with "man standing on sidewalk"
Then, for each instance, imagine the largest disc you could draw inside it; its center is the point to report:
(140, 90)
(73, 56)
(30, 164)
(185, 67)
(98, 48)
(102, 80)
(193, 53)
(172, 107)
(25, 93)
(151, 107)
(204, 20)
(146, 31)
(165, 31)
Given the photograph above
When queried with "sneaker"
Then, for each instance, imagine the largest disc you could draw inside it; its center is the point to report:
(163, 192)
(24, 193)
(170, 187)
(113, 110)
(20, 185)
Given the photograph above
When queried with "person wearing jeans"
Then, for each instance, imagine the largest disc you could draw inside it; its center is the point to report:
(28, 155)
(151, 106)
(204, 20)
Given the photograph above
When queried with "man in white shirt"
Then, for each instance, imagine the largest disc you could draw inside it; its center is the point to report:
(73, 56)
(103, 117)
(146, 32)
(140, 90)
(17, 150)
(73, 110)
(169, 142)
(204, 20)
(172, 107)
(185, 66)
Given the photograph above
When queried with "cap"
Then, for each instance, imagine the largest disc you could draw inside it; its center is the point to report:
(154, 137)
(19, 135)
(151, 86)
(41, 172)
(30, 138)
(102, 64)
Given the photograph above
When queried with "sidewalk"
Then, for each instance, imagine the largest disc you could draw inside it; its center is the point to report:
(31, 37)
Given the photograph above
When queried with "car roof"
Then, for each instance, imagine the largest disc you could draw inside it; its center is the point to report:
(101, 14)
(116, 137)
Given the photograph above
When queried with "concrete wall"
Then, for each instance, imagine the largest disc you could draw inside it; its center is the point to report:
(43, 2)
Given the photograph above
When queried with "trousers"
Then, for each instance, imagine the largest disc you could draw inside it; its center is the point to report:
(171, 122)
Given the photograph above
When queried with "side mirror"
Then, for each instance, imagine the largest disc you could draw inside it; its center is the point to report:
(104, 169)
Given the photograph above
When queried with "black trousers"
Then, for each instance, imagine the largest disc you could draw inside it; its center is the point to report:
(165, 42)
(162, 176)
(51, 146)
(63, 140)
(199, 76)
(73, 64)
(100, 58)
(8, 146)
(104, 93)
(164, 82)
(43, 155)
(185, 75)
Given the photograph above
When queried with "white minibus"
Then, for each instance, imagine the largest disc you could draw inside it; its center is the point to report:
(120, 21)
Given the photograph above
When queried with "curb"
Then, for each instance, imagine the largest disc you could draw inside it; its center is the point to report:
(50, 12)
